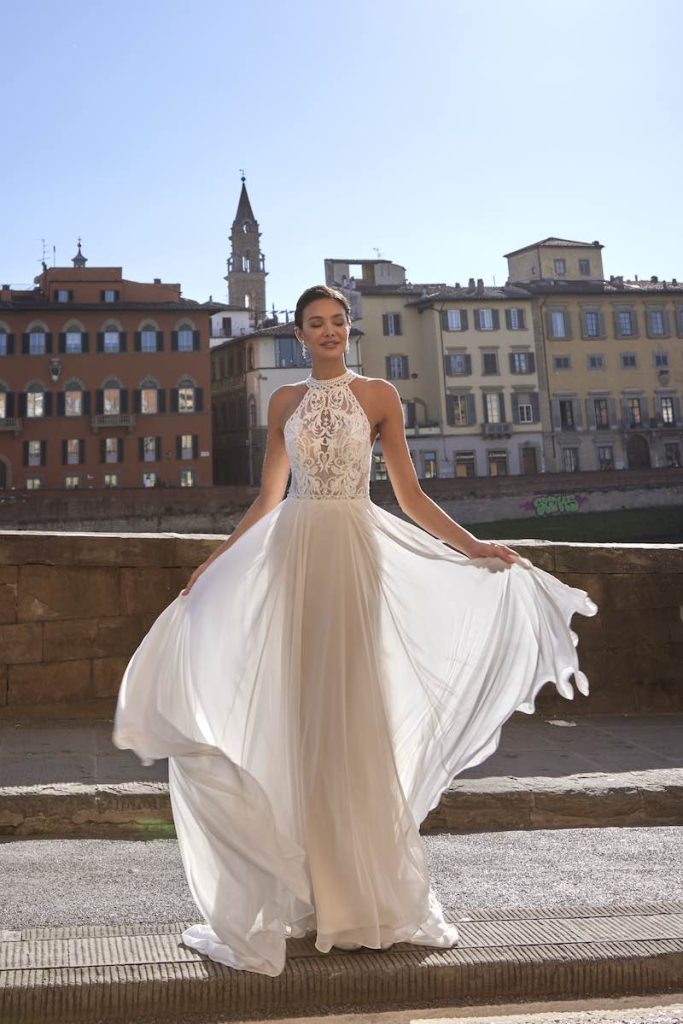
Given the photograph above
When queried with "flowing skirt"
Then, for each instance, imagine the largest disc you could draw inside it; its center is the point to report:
(315, 693)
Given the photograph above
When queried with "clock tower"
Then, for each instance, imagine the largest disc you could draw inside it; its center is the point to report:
(246, 275)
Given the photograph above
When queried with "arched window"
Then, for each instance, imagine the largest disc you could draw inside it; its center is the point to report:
(35, 400)
(185, 335)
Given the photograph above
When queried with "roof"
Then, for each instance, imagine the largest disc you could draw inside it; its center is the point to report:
(244, 210)
(486, 293)
(556, 243)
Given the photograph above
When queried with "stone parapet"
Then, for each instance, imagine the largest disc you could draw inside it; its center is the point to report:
(74, 606)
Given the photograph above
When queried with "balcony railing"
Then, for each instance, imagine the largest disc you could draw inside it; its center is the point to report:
(496, 429)
(11, 423)
(108, 420)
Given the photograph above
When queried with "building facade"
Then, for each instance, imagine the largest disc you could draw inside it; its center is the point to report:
(103, 382)
(246, 275)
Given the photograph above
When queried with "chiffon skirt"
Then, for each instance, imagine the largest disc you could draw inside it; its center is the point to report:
(315, 692)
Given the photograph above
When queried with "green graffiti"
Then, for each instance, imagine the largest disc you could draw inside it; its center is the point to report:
(555, 504)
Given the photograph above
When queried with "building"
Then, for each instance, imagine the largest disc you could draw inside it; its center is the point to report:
(610, 356)
(246, 275)
(463, 362)
(102, 382)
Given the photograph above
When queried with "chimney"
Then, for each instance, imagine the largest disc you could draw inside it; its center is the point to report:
(157, 280)
(654, 279)
(470, 285)
(480, 285)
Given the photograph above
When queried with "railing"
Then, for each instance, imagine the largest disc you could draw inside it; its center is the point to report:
(119, 419)
(496, 429)
(11, 423)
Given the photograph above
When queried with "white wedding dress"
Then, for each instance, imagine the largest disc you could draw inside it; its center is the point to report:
(317, 690)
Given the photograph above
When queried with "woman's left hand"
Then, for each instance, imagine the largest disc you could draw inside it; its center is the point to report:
(492, 549)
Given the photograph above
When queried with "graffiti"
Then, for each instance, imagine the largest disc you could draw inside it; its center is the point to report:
(554, 504)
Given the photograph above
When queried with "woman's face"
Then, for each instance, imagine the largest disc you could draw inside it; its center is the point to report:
(325, 329)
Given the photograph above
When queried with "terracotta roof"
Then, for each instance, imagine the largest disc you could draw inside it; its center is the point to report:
(555, 243)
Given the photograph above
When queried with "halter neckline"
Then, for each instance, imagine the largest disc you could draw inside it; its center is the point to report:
(321, 382)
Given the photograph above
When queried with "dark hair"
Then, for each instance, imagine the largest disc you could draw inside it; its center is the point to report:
(319, 291)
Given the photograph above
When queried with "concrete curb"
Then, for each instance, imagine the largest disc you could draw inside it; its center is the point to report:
(142, 972)
(655, 797)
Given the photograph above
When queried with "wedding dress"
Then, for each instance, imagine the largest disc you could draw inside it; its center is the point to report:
(317, 690)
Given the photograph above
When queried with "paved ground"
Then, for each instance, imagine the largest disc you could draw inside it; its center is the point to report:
(90, 881)
(44, 752)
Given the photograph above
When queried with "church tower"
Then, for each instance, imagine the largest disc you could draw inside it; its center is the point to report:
(246, 265)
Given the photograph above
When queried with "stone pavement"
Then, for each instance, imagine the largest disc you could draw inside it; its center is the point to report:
(65, 778)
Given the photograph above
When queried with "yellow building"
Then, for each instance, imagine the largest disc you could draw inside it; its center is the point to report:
(610, 359)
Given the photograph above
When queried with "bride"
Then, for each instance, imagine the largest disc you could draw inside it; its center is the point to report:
(327, 671)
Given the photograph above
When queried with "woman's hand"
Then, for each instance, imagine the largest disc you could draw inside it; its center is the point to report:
(194, 577)
(492, 549)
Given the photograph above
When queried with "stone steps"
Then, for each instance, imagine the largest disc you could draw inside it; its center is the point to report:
(140, 972)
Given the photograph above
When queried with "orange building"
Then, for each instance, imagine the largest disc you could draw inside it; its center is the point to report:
(104, 382)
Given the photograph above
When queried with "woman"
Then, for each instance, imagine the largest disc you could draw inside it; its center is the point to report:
(327, 671)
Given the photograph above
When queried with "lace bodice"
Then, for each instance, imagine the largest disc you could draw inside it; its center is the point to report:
(327, 438)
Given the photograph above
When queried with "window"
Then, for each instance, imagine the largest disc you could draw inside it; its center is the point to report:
(633, 413)
(380, 469)
(596, 362)
(458, 364)
(3, 405)
(186, 446)
(112, 401)
(656, 323)
(515, 319)
(391, 323)
(497, 463)
(570, 460)
(628, 360)
(188, 478)
(453, 320)
(37, 344)
(73, 402)
(148, 339)
(585, 268)
(560, 267)
(32, 483)
(601, 413)
(35, 401)
(525, 412)
(464, 464)
(111, 449)
(492, 407)
(63, 295)
(625, 323)
(72, 482)
(111, 341)
(562, 363)
(489, 363)
(558, 325)
(289, 353)
(566, 414)
(149, 400)
(605, 456)
(149, 449)
(186, 401)
(35, 454)
(429, 460)
(591, 325)
(485, 319)
(73, 341)
(661, 360)
(522, 362)
(397, 367)
(672, 453)
(4, 343)
(109, 295)
(246, 264)
(185, 339)
(457, 410)
(73, 451)
(111, 479)
(150, 479)
(667, 410)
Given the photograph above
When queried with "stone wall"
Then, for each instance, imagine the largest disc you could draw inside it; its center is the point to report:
(73, 608)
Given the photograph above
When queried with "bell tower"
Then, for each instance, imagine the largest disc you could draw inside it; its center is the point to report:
(246, 275)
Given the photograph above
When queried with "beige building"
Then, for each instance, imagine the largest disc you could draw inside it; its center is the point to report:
(610, 358)
(463, 362)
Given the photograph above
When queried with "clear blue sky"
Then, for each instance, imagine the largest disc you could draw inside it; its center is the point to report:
(443, 133)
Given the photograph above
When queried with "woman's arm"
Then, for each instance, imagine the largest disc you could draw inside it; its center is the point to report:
(273, 482)
(409, 494)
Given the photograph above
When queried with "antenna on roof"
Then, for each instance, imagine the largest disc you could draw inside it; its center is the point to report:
(379, 254)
